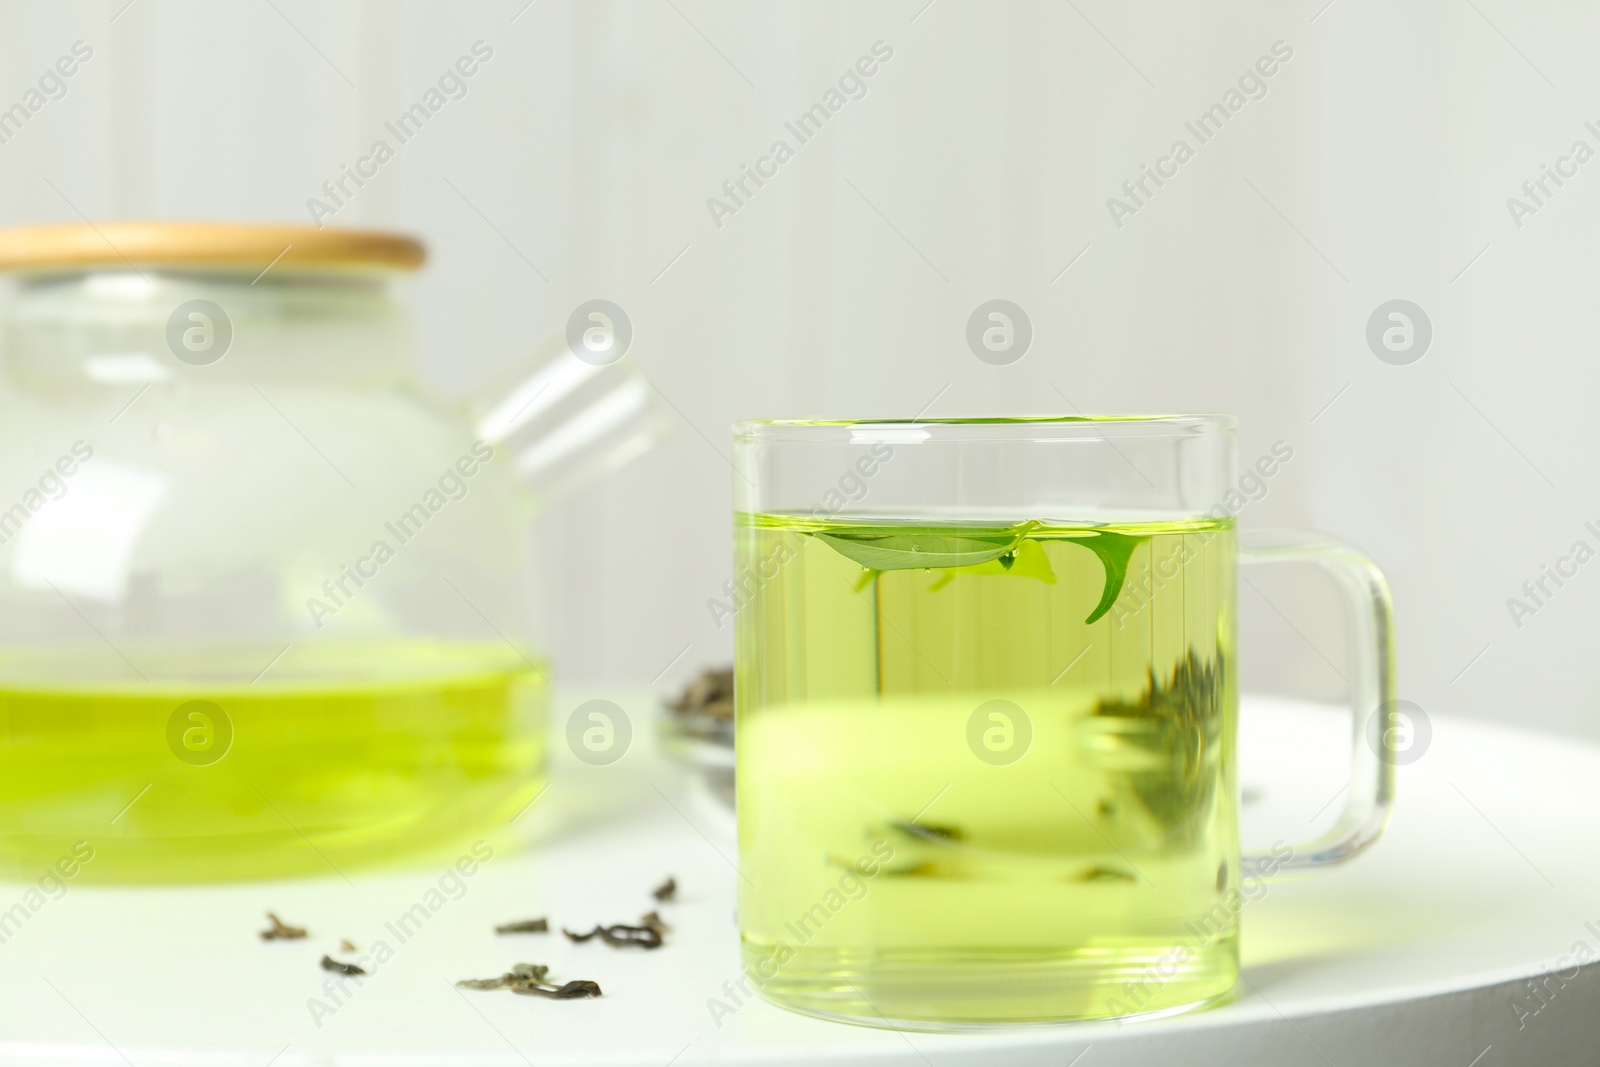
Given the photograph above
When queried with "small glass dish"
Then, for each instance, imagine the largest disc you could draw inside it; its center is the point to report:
(696, 730)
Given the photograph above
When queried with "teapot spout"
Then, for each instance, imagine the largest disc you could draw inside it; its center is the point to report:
(565, 420)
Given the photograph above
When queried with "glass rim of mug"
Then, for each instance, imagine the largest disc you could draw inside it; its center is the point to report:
(1021, 427)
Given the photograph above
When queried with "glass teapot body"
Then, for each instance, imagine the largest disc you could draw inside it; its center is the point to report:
(265, 605)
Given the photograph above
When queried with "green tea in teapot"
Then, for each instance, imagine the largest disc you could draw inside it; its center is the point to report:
(185, 769)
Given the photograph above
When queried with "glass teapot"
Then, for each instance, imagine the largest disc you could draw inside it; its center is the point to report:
(265, 603)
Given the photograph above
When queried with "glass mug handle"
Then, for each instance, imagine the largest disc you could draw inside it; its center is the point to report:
(1370, 794)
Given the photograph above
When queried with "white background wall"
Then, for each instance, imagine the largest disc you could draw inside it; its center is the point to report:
(977, 166)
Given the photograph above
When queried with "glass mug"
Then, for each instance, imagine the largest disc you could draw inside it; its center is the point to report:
(265, 599)
(987, 705)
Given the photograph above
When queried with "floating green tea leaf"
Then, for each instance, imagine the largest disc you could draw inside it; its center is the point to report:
(1026, 560)
(891, 548)
(952, 549)
(1114, 550)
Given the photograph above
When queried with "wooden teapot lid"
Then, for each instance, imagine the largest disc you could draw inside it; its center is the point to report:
(229, 244)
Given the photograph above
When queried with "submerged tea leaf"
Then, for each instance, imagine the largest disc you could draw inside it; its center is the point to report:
(526, 926)
(939, 835)
(925, 869)
(1180, 733)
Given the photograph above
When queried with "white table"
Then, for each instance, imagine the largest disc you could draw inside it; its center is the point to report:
(1412, 955)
